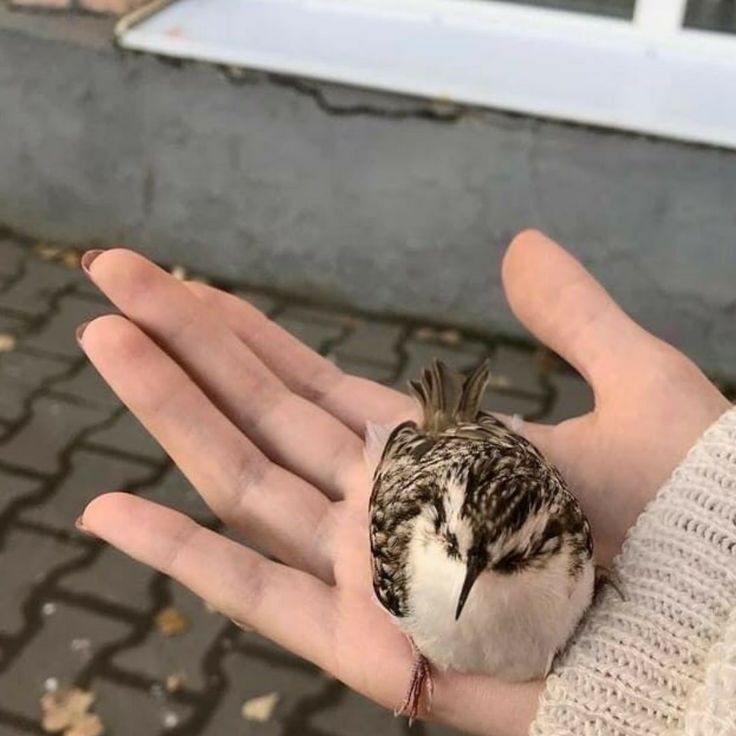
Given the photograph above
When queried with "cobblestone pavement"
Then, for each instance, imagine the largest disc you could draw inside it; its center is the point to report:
(74, 612)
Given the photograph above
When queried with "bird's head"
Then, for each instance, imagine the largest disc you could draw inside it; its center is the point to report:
(484, 540)
(507, 549)
(505, 529)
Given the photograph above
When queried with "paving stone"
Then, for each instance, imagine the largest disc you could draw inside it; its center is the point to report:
(433, 729)
(176, 492)
(57, 335)
(419, 355)
(516, 368)
(32, 294)
(50, 654)
(159, 656)
(12, 325)
(354, 715)
(125, 711)
(20, 375)
(380, 372)
(88, 386)
(127, 434)
(263, 302)
(13, 398)
(141, 713)
(319, 315)
(12, 255)
(13, 487)
(52, 426)
(25, 560)
(114, 578)
(90, 474)
(15, 730)
(316, 336)
(260, 668)
(375, 342)
(509, 403)
(573, 397)
(32, 369)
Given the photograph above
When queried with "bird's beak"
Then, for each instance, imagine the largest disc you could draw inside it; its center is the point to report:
(475, 568)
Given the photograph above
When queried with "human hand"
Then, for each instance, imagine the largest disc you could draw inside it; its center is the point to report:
(651, 402)
(270, 434)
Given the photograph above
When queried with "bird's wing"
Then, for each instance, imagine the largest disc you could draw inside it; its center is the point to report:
(400, 487)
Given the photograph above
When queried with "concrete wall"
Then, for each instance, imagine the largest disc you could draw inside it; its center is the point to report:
(383, 203)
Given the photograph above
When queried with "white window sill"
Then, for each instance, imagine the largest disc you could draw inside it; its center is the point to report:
(646, 76)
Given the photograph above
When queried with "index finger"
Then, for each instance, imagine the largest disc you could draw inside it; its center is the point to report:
(351, 399)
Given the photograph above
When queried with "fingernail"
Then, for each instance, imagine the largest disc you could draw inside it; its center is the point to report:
(79, 523)
(88, 257)
(80, 331)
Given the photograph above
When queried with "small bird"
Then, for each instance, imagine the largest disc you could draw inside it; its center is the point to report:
(479, 550)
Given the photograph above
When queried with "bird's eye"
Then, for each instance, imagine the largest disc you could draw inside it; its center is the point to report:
(453, 550)
(551, 540)
(439, 515)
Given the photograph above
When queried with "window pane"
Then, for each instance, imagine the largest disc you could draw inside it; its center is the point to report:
(711, 15)
(615, 8)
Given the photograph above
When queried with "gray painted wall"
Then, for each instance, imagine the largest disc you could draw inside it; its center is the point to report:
(382, 203)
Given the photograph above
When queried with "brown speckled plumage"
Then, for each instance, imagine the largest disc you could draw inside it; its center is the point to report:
(506, 482)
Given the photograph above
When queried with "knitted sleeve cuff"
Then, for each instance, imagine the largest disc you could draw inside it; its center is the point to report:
(664, 659)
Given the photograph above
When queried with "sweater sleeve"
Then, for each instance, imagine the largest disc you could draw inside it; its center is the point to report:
(663, 660)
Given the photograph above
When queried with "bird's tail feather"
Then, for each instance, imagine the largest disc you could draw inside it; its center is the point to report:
(447, 397)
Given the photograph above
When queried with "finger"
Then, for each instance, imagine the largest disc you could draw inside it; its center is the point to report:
(290, 607)
(351, 399)
(567, 309)
(273, 508)
(290, 430)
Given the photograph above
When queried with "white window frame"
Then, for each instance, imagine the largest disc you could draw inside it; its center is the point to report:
(648, 75)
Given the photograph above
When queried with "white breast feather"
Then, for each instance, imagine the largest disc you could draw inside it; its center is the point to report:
(511, 626)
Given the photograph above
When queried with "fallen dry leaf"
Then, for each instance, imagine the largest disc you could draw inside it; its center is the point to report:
(87, 724)
(170, 622)
(174, 682)
(71, 258)
(261, 708)
(423, 334)
(7, 342)
(46, 251)
(62, 709)
(498, 380)
(451, 337)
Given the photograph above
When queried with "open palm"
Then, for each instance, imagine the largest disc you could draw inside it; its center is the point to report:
(270, 433)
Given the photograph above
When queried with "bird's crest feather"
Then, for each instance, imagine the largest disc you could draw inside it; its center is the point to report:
(447, 397)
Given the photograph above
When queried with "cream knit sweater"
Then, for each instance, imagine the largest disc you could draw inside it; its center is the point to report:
(663, 660)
